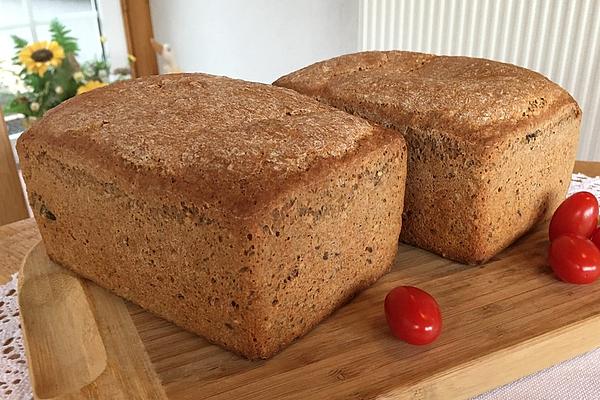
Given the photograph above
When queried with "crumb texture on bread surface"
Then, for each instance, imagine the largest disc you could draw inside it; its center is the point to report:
(491, 146)
(319, 231)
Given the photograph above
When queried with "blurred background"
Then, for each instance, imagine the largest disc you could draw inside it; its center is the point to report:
(261, 40)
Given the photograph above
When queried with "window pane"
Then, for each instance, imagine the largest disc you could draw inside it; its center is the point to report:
(7, 46)
(12, 13)
(45, 10)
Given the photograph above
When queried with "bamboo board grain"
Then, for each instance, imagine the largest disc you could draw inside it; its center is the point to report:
(80, 340)
(502, 321)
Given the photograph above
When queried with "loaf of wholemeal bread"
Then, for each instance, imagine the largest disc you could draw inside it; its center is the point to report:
(491, 145)
(242, 212)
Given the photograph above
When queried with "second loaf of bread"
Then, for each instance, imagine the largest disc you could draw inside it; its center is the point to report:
(491, 145)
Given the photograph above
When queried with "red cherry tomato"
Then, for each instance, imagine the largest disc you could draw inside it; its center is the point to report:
(413, 315)
(574, 259)
(596, 237)
(577, 215)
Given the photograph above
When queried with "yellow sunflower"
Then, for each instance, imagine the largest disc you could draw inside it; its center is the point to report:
(39, 56)
(91, 85)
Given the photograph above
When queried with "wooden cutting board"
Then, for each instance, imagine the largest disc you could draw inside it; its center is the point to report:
(502, 320)
(80, 340)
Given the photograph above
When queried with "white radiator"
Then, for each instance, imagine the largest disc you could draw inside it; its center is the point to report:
(559, 38)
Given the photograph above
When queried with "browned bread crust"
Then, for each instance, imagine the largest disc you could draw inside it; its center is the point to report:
(491, 145)
(242, 212)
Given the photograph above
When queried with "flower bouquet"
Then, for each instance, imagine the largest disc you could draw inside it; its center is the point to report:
(51, 74)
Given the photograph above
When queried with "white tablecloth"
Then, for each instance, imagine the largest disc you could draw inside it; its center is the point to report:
(576, 379)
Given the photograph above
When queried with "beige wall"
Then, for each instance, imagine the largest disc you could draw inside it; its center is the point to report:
(257, 40)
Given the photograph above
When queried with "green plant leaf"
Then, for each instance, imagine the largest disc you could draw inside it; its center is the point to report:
(60, 34)
(34, 81)
(19, 42)
(63, 77)
(18, 105)
(96, 70)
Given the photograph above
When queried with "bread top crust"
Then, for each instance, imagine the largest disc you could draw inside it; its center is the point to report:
(472, 99)
(225, 142)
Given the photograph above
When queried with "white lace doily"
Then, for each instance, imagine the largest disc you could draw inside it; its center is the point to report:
(581, 182)
(14, 379)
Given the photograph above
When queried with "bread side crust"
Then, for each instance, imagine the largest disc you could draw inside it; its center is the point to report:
(213, 274)
(468, 205)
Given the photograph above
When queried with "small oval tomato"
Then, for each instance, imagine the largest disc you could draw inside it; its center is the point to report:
(577, 215)
(413, 315)
(574, 259)
(596, 237)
